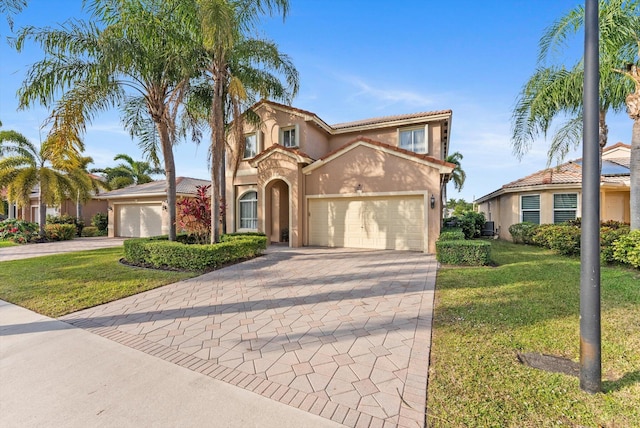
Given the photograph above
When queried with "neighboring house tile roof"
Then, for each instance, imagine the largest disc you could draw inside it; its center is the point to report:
(297, 153)
(614, 171)
(184, 186)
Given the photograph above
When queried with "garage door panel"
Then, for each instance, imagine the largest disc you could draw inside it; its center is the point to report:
(378, 223)
(139, 220)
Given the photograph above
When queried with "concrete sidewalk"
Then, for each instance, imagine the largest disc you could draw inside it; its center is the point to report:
(53, 374)
(48, 248)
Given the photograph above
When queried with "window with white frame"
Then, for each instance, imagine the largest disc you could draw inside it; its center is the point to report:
(530, 208)
(249, 211)
(565, 206)
(250, 145)
(414, 139)
(289, 136)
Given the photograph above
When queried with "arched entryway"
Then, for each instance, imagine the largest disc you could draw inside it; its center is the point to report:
(277, 211)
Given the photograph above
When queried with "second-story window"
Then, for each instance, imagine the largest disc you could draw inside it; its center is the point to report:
(413, 139)
(250, 146)
(289, 136)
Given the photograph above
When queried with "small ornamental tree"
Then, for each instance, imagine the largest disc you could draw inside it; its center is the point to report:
(194, 215)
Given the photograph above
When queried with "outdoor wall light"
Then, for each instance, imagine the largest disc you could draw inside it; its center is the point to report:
(110, 208)
(433, 201)
(359, 188)
(165, 205)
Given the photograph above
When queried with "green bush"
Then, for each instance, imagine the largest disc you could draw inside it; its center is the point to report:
(90, 231)
(60, 232)
(472, 253)
(18, 231)
(101, 221)
(627, 249)
(609, 235)
(561, 238)
(522, 233)
(160, 253)
(451, 235)
(471, 223)
(67, 219)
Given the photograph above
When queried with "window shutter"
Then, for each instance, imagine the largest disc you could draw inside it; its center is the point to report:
(297, 132)
(565, 201)
(531, 202)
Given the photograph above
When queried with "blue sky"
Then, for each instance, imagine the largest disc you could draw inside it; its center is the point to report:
(367, 58)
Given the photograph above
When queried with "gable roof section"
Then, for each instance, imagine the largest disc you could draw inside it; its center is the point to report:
(185, 186)
(442, 166)
(614, 171)
(297, 155)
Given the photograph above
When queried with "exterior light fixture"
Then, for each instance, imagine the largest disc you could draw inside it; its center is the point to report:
(110, 208)
(359, 188)
(433, 202)
(165, 205)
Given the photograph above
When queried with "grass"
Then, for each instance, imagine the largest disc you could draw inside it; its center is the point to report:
(59, 284)
(7, 244)
(530, 303)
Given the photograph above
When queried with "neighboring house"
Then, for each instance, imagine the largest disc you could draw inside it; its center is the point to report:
(141, 210)
(554, 195)
(374, 183)
(68, 207)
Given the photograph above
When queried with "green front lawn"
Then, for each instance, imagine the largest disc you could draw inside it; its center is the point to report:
(59, 284)
(529, 303)
(7, 244)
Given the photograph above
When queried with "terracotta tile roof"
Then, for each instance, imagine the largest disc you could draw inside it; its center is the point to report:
(389, 147)
(384, 119)
(292, 150)
(184, 186)
(616, 145)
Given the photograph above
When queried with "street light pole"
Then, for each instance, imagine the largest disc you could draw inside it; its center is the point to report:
(590, 346)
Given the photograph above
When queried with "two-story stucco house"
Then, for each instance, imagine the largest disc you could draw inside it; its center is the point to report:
(374, 183)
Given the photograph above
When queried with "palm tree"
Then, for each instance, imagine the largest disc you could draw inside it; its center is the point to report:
(10, 7)
(554, 91)
(90, 184)
(458, 175)
(128, 172)
(141, 61)
(26, 167)
(238, 67)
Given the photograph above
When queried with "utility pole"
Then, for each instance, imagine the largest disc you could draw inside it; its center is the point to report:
(590, 341)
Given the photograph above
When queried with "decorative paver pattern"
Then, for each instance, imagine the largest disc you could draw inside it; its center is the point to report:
(341, 333)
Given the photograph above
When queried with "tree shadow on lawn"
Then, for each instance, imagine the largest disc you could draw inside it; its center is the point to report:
(625, 381)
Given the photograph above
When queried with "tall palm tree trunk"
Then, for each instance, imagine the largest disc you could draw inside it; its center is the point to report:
(633, 108)
(170, 171)
(217, 153)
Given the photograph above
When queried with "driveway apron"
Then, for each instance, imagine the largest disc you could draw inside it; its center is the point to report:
(340, 333)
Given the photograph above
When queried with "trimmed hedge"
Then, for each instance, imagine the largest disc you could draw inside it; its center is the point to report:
(522, 233)
(463, 252)
(160, 253)
(627, 249)
(451, 235)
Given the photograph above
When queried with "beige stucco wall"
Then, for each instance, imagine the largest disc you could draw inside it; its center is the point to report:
(389, 136)
(279, 166)
(378, 172)
(505, 209)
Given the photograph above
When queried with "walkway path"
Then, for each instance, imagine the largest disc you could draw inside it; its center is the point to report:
(46, 249)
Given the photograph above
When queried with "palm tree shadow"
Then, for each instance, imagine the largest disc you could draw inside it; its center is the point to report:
(616, 385)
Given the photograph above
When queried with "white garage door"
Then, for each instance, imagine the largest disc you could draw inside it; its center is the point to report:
(139, 220)
(386, 223)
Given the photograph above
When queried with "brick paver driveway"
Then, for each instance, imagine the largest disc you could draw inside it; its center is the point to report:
(341, 333)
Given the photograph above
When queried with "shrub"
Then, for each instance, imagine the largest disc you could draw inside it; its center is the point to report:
(159, 252)
(451, 235)
(101, 221)
(472, 253)
(194, 215)
(627, 249)
(522, 233)
(609, 235)
(562, 238)
(67, 219)
(18, 231)
(60, 232)
(90, 231)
